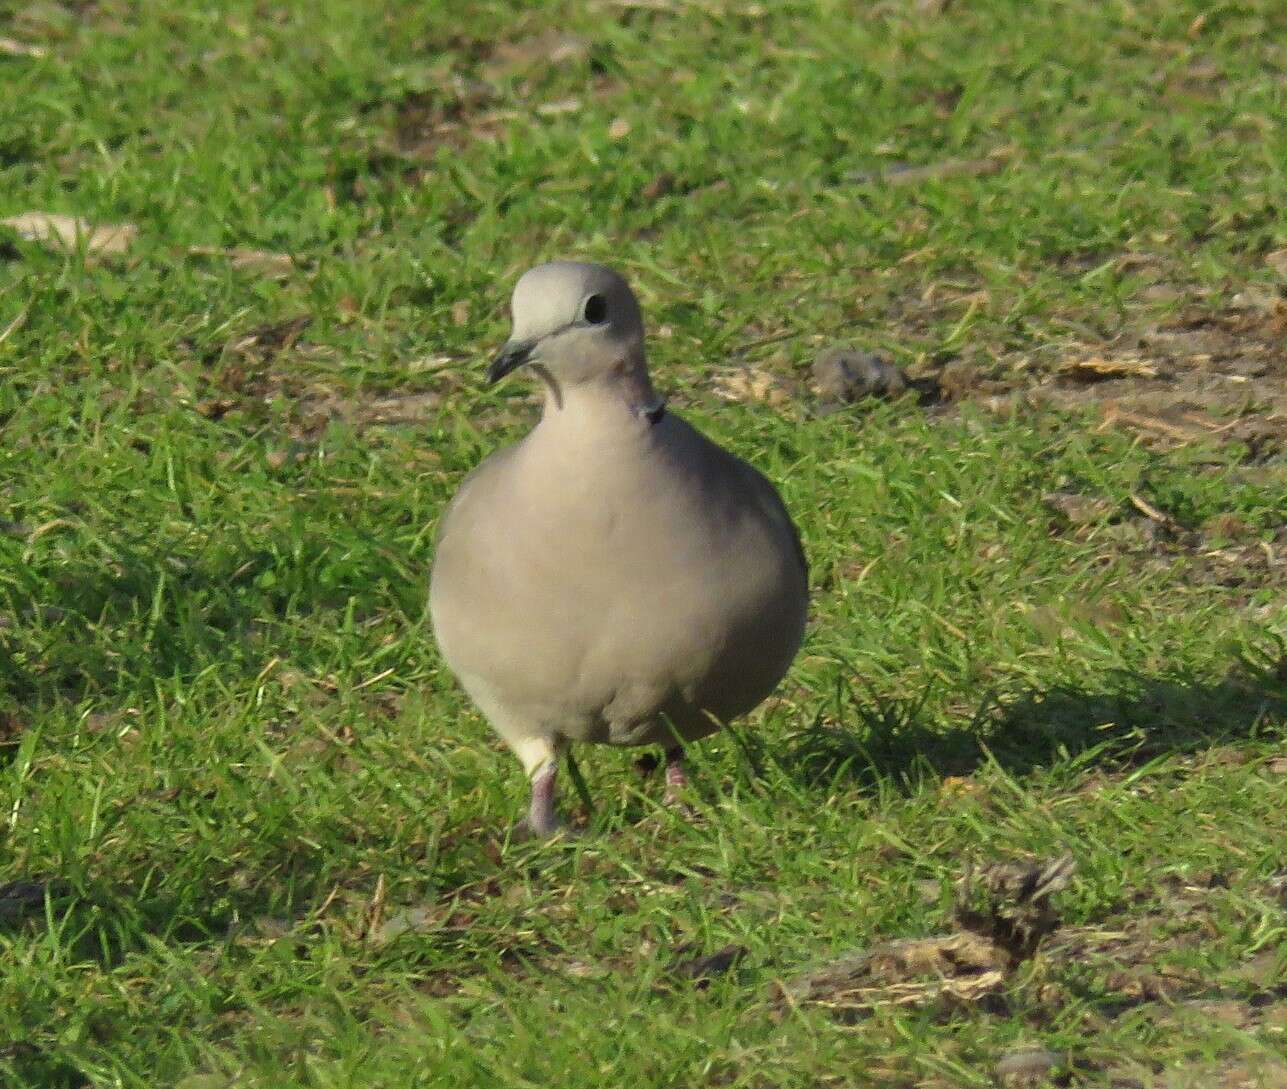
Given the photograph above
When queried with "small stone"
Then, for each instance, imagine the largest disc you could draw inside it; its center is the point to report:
(1027, 1066)
(846, 375)
(619, 129)
(701, 970)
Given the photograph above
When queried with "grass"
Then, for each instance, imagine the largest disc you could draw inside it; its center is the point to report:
(252, 832)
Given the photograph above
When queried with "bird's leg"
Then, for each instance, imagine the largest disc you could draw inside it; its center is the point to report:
(676, 780)
(540, 759)
(541, 818)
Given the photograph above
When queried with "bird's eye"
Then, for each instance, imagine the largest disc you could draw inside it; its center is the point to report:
(596, 310)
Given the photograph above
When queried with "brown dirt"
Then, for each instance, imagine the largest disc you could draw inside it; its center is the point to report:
(1200, 377)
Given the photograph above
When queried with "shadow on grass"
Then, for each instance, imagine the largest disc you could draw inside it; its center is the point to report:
(1127, 721)
(90, 626)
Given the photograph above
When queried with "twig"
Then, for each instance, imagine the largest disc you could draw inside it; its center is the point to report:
(15, 325)
(376, 911)
(1149, 511)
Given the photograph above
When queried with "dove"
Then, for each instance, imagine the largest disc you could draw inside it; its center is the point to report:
(615, 577)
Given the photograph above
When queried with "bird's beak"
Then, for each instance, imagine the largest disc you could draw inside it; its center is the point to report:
(511, 357)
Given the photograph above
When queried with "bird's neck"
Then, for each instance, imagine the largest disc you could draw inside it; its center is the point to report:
(624, 398)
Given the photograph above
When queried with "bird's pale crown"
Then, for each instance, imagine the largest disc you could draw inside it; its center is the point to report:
(576, 324)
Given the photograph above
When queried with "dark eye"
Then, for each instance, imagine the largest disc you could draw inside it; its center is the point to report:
(596, 310)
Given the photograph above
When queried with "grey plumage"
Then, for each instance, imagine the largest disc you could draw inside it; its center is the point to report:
(614, 577)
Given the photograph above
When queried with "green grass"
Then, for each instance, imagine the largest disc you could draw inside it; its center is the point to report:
(233, 766)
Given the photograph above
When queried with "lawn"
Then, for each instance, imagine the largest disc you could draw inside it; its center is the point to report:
(253, 835)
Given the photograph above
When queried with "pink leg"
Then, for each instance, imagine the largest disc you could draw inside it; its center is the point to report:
(541, 818)
(676, 780)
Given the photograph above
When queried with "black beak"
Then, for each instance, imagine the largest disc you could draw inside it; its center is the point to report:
(512, 356)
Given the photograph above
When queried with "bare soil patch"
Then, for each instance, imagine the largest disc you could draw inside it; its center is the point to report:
(1216, 377)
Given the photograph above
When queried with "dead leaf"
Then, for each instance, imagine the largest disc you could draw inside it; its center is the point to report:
(619, 129)
(551, 48)
(406, 408)
(970, 966)
(1100, 368)
(580, 969)
(1080, 510)
(1151, 512)
(558, 107)
(11, 48)
(1180, 433)
(912, 972)
(745, 384)
(426, 364)
(906, 174)
(266, 262)
(69, 232)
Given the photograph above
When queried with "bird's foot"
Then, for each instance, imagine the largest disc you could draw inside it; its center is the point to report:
(677, 791)
(676, 779)
(542, 822)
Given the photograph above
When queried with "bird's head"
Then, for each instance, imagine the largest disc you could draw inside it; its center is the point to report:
(574, 324)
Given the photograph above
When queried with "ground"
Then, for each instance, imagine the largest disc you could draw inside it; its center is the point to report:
(253, 835)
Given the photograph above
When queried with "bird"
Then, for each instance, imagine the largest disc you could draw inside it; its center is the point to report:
(614, 577)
